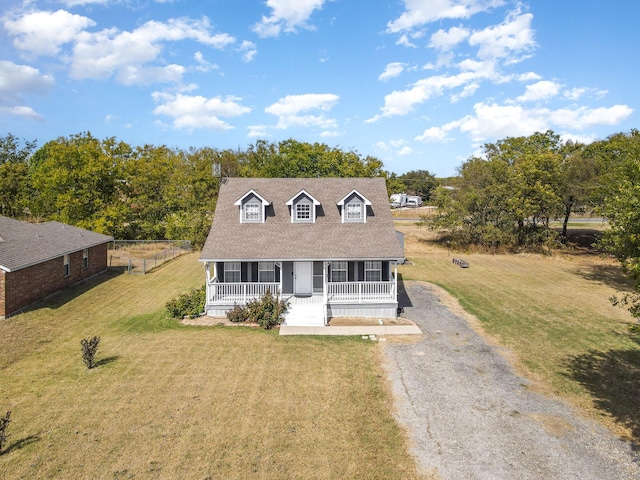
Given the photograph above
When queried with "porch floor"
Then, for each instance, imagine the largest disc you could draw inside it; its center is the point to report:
(378, 330)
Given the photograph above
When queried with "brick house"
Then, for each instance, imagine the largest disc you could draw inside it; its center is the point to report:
(38, 259)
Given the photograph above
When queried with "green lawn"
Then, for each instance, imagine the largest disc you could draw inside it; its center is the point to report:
(554, 314)
(169, 401)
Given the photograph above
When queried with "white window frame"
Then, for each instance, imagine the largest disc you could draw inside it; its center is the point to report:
(354, 211)
(340, 267)
(268, 270)
(251, 215)
(303, 212)
(232, 268)
(85, 259)
(373, 271)
(66, 265)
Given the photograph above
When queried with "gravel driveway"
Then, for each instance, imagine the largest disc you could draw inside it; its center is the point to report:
(470, 416)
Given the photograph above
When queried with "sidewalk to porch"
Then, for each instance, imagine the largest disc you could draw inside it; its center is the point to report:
(379, 330)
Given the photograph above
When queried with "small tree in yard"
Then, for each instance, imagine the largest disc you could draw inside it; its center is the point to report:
(4, 422)
(89, 349)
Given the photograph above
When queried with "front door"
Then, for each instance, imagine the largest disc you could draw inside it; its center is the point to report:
(303, 274)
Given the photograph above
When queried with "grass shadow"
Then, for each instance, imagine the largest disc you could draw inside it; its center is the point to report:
(613, 379)
(18, 444)
(60, 298)
(609, 275)
(107, 360)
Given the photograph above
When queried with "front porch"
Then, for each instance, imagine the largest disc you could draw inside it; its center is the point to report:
(315, 291)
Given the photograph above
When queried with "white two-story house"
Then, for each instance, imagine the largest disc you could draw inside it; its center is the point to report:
(326, 245)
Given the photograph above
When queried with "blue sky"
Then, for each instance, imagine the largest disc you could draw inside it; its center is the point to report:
(420, 84)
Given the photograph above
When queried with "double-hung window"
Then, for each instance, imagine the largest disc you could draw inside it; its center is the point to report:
(66, 265)
(354, 211)
(266, 272)
(373, 270)
(251, 212)
(85, 259)
(303, 212)
(339, 271)
(232, 272)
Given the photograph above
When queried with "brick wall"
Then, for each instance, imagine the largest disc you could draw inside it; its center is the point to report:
(2, 309)
(27, 285)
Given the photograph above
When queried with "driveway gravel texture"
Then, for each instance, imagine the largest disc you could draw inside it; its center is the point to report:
(469, 415)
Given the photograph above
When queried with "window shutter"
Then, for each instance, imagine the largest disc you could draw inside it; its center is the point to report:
(385, 271)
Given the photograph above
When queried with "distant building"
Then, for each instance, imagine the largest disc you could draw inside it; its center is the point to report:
(38, 259)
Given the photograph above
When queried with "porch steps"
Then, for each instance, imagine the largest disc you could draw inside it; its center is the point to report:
(305, 315)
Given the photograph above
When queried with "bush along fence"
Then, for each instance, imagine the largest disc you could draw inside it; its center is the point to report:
(141, 256)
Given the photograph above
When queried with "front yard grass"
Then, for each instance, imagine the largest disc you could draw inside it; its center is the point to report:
(171, 401)
(553, 312)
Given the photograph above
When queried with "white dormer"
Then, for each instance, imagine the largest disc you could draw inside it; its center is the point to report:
(353, 207)
(252, 207)
(303, 207)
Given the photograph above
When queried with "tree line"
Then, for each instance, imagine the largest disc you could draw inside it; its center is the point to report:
(149, 191)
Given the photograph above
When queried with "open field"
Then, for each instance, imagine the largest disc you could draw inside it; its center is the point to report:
(171, 401)
(553, 313)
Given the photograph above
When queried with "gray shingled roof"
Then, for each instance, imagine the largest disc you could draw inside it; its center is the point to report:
(23, 244)
(279, 239)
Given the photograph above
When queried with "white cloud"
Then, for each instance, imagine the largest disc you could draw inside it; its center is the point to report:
(204, 66)
(541, 90)
(404, 151)
(402, 102)
(513, 36)
(467, 91)
(248, 50)
(287, 16)
(44, 32)
(190, 112)
(420, 12)
(491, 121)
(22, 111)
(433, 134)
(258, 131)
(445, 41)
(289, 110)
(101, 54)
(17, 81)
(75, 3)
(392, 70)
(111, 52)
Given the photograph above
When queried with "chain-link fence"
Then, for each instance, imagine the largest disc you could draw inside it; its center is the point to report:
(141, 256)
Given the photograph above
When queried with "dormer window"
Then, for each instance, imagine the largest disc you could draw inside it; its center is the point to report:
(355, 211)
(354, 207)
(303, 208)
(303, 212)
(251, 212)
(252, 207)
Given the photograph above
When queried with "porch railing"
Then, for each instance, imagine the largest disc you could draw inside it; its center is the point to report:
(228, 293)
(361, 292)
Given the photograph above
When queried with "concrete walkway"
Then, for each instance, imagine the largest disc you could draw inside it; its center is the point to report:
(378, 330)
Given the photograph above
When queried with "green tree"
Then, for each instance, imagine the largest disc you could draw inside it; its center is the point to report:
(619, 157)
(419, 182)
(507, 199)
(291, 158)
(78, 180)
(14, 175)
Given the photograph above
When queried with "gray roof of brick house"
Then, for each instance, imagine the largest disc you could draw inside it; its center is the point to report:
(23, 244)
(280, 239)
